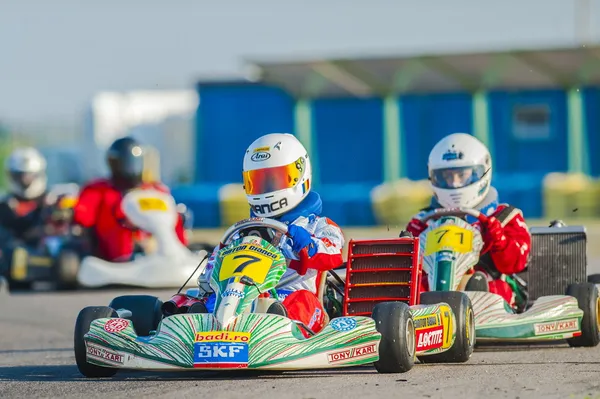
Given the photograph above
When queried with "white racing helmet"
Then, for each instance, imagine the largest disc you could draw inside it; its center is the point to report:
(460, 171)
(26, 170)
(277, 174)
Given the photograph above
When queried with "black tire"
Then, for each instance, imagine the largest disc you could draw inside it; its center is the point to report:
(594, 278)
(397, 348)
(82, 326)
(587, 299)
(464, 343)
(66, 269)
(146, 311)
(14, 285)
(477, 282)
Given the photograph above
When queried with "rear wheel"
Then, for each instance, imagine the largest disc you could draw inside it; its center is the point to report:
(397, 348)
(146, 311)
(588, 301)
(464, 342)
(82, 326)
(594, 278)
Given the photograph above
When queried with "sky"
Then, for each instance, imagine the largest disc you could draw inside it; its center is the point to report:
(55, 55)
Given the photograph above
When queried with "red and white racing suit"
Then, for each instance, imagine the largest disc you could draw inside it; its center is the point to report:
(301, 277)
(506, 247)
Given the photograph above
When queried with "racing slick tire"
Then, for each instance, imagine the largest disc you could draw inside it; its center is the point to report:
(146, 311)
(464, 342)
(588, 301)
(66, 269)
(397, 348)
(594, 278)
(82, 326)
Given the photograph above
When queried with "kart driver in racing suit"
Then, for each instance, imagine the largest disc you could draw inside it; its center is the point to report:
(460, 171)
(277, 177)
(22, 210)
(99, 207)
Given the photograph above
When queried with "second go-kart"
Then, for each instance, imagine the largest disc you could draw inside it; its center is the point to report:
(47, 256)
(450, 249)
(242, 332)
(171, 263)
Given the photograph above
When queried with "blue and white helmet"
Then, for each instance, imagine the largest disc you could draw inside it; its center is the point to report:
(460, 171)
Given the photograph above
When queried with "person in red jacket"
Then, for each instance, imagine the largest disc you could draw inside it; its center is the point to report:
(460, 171)
(98, 209)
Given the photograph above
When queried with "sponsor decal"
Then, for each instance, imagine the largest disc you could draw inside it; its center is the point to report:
(453, 155)
(272, 207)
(343, 324)
(278, 145)
(352, 353)
(262, 149)
(429, 338)
(221, 349)
(314, 318)
(220, 355)
(260, 156)
(104, 355)
(222, 336)
(232, 292)
(116, 325)
(327, 242)
(556, 326)
(427, 321)
(248, 247)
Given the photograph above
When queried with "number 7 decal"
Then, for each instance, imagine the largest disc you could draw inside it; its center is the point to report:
(251, 260)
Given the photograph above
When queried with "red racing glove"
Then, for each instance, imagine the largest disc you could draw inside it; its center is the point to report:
(493, 235)
(416, 227)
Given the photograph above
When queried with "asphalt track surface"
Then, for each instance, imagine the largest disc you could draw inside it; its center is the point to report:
(37, 360)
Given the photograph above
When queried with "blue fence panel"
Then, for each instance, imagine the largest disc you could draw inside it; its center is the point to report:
(349, 140)
(592, 118)
(426, 120)
(531, 145)
(230, 116)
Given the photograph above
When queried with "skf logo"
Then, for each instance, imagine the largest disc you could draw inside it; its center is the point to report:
(429, 338)
(270, 208)
(223, 350)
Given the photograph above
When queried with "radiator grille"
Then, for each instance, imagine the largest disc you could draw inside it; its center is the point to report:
(373, 277)
(557, 260)
(393, 248)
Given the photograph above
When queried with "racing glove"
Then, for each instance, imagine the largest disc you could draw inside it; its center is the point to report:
(301, 239)
(416, 227)
(493, 234)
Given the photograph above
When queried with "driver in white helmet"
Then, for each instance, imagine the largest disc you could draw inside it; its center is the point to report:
(460, 171)
(23, 210)
(277, 179)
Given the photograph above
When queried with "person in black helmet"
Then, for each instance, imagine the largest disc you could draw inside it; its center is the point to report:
(98, 208)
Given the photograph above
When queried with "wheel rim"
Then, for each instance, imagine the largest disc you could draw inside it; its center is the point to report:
(410, 338)
(470, 324)
(598, 313)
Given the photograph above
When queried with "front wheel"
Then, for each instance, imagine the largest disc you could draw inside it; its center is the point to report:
(397, 348)
(82, 326)
(464, 342)
(588, 301)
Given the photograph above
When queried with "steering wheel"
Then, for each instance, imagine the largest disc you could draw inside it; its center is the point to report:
(258, 224)
(459, 212)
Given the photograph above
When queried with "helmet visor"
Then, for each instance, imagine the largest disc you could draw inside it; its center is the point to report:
(23, 179)
(449, 178)
(268, 180)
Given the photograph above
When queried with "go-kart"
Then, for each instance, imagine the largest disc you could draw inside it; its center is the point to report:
(170, 263)
(49, 255)
(450, 249)
(242, 332)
